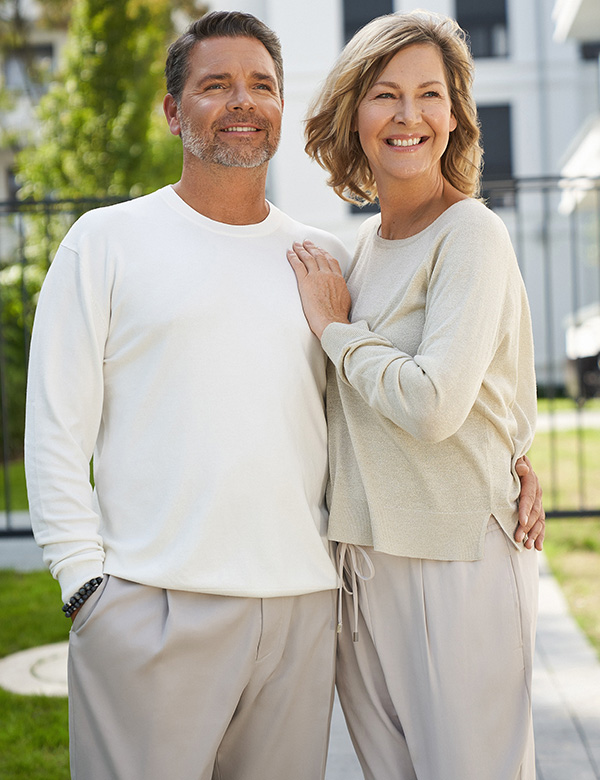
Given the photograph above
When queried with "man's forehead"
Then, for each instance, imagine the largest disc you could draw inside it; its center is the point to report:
(228, 54)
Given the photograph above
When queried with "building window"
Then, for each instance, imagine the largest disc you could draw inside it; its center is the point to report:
(485, 21)
(25, 68)
(357, 13)
(366, 210)
(497, 154)
(590, 51)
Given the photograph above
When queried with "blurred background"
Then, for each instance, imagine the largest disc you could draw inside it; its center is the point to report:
(81, 125)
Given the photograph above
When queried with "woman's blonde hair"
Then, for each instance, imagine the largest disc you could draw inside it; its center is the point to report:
(331, 139)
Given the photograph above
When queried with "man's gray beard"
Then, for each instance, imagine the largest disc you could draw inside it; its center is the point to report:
(210, 150)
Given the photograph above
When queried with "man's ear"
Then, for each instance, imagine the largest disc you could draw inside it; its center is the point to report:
(172, 114)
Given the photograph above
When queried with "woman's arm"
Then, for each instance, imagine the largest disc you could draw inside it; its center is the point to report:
(325, 299)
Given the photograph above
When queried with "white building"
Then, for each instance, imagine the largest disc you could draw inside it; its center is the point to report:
(534, 94)
(579, 20)
(532, 91)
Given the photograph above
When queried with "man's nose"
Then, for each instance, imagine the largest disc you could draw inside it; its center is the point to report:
(240, 98)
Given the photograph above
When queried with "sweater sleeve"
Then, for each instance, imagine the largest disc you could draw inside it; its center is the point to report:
(63, 412)
(429, 394)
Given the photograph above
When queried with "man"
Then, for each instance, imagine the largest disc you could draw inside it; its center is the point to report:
(170, 343)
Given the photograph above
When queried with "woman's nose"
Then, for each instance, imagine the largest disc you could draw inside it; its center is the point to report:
(406, 112)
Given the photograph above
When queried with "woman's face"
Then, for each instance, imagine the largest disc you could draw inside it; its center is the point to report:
(405, 119)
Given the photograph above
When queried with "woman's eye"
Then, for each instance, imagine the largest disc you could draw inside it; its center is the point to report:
(384, 95)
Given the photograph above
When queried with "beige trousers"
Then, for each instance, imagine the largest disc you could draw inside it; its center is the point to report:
(438, 687)
(172, 685)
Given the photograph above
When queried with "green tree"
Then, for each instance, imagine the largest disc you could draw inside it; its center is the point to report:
(96, 122)
(101, 134)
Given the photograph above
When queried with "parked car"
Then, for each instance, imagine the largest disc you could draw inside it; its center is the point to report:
(582, 372)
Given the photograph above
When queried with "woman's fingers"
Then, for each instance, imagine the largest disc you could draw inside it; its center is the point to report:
(532, 519)
(323, 292)
(315, 258)
(299, 268)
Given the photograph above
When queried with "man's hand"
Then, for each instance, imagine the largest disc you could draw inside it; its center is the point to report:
(532, 518)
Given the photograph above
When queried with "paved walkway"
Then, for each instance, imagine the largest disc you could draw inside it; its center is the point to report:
(568, 420)
(566, 684)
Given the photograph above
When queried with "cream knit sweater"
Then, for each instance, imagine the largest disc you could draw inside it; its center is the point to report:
(176, 350)
(431, 398)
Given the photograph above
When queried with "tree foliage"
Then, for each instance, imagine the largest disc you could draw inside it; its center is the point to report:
(101, 129)
(101, 134)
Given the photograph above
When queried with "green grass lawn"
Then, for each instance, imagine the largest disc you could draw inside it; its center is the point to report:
(33, 729)
(573, 550)
(566, 404)
(18, 490)
(568, 466)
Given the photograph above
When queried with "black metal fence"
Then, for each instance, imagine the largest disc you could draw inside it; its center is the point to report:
(29, 236)
(555, 228)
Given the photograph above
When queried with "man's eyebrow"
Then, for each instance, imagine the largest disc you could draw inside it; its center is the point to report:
(213, 77)
(264, 77)
(226, 76)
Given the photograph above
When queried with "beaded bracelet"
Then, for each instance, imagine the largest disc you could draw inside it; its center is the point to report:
(82, 595)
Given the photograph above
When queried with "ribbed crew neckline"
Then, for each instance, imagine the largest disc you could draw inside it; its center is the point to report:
(268, 225)
(395, 242)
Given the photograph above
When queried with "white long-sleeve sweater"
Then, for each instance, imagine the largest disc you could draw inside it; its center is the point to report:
(432, 398)
(174, 349)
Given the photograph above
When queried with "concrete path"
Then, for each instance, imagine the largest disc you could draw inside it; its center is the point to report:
(566, 684)
(568, 420)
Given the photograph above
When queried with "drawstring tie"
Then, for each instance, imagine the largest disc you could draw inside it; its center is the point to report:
(351, 567)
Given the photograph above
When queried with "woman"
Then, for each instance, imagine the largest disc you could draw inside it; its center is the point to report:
(431, 401)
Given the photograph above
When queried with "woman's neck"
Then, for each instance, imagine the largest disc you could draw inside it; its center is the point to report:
(408, 208)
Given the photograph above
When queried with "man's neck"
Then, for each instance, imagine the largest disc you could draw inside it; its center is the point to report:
(235, 196)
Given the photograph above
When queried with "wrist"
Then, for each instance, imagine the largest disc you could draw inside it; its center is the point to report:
(82, 595)
(323, 325)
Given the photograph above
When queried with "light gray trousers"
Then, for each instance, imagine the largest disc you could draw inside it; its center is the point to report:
(172, 685)
(438, 687)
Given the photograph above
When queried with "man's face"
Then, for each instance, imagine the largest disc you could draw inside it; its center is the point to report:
(230, 108)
